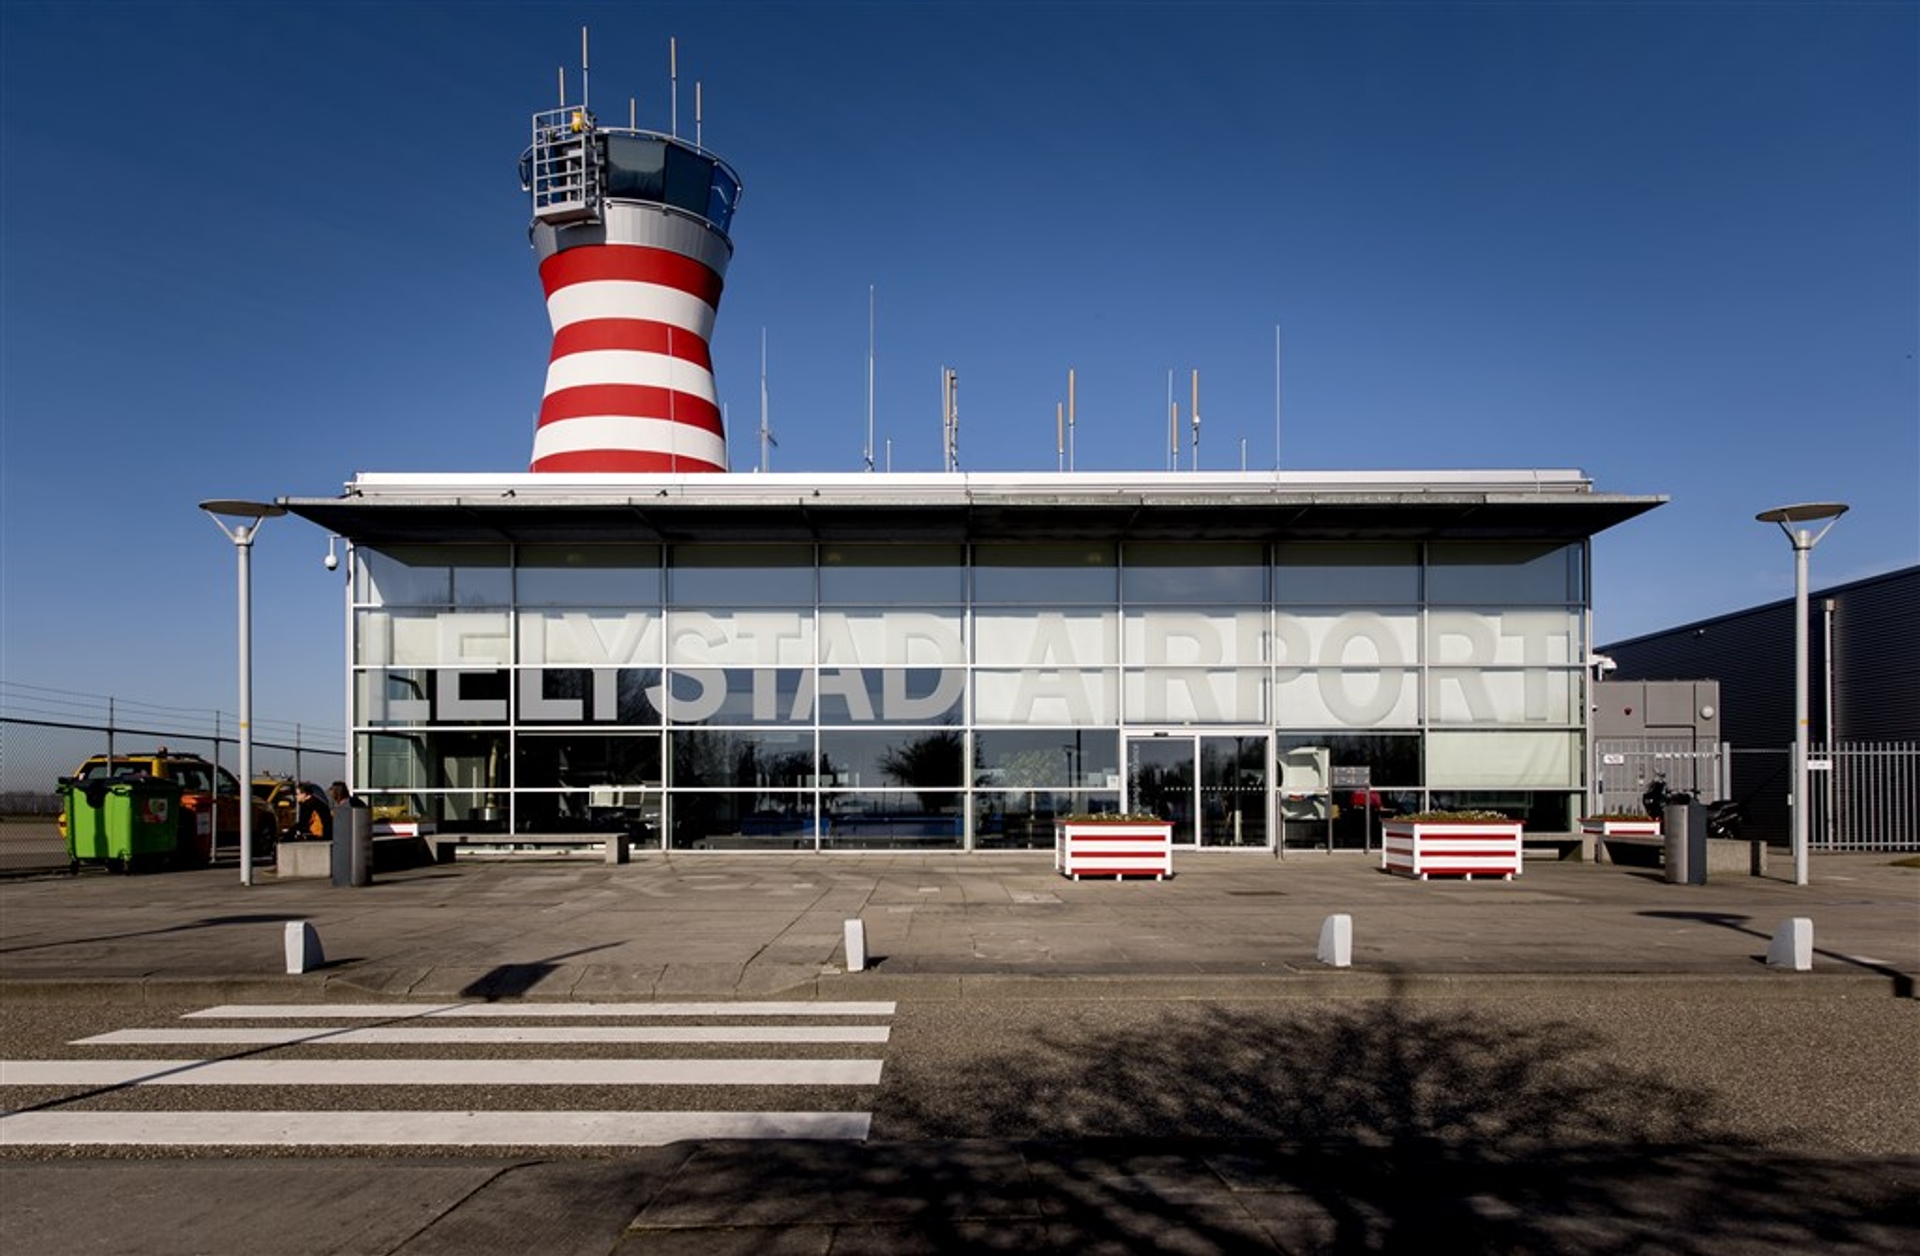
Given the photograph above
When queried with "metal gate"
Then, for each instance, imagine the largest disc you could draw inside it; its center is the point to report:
(1625, 766)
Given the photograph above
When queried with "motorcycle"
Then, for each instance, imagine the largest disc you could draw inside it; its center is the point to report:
(1725, 817)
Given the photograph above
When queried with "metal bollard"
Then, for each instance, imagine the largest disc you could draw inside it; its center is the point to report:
(352, 862)
(1685, 826)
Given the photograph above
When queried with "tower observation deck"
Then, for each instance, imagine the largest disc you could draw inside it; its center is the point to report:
(631, 229)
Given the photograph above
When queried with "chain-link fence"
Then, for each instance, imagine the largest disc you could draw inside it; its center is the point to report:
(47, 733)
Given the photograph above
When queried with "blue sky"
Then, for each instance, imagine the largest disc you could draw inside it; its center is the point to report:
(251, 250)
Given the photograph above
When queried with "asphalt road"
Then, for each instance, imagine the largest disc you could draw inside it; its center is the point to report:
(1603, 1118)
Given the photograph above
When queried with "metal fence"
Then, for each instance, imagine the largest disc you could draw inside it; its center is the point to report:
(1865, 797)
(46, 733)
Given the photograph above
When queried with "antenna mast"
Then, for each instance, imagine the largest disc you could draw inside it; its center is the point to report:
(767, 443)
(1069, 418)
(1059, 436)
(673, 82)
(950, 417)
(1196, 420)
(696, 113)
(868, 455)
(1276, 396)
(585, 101)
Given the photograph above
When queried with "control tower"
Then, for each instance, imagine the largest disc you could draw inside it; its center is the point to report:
(631, 230)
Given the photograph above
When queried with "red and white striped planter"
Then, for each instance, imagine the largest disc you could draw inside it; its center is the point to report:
(1113, 848)
(1464, 848)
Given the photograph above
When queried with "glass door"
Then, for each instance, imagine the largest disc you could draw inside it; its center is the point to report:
(1212, 787)
(1160, 781)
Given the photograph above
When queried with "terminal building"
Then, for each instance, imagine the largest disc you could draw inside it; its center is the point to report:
(627, 636)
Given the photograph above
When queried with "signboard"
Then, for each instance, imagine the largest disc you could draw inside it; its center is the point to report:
(1352, 777)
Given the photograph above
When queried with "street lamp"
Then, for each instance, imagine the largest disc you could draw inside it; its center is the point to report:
(247, 518)
(1803, 539)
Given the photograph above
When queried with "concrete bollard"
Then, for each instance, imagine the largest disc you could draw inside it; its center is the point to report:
(856, 945)
(619, 847)
(1336, 941)
(303, 947)
(1792, 945)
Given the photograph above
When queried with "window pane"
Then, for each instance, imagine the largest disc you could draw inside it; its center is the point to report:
(1031, 758)
(878, 635)
(636, 168)
(1501, 758)
(1503, 574)
(1189, 574)
(689, 180)
(935, 759)
(601, 695)
(588, 575)
(1023, 819)
(587, 761)
(1392, 760)
(742, 759)
(1044, 575)
(1345, 574)
(891, 820)
(702, 576)
(1046, 696)
(404, 575)
(900, 575)
(741, 820)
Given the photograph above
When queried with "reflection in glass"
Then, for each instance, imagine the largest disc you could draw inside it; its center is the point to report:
(742, 759)
(1160, 782)
(740, 820)
(1053, 758)
(605, 695)
(891, 819)
(1023, 819)
(1233, 790)
(574, 760)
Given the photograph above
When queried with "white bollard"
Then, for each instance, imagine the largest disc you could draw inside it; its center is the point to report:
(303, 947)
(856, 945)
(1792, 945)
(1336, 941)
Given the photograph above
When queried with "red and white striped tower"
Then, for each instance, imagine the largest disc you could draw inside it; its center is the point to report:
(631, 230)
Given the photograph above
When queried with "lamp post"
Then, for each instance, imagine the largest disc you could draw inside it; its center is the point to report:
(247, 517)
(1803, 540)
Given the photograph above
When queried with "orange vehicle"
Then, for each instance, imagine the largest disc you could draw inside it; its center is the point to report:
(209, 801)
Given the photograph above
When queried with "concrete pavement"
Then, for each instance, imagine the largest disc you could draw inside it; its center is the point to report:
(938, 926)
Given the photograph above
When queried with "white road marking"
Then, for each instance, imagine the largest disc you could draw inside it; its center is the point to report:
(439, 1072)
(418, 1129)
(414, 1035)
(404, 1011)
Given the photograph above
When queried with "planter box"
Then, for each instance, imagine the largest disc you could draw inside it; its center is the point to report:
(1113, 848)
(1457, 849)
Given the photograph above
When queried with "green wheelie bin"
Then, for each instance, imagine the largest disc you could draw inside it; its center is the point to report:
(125, 822)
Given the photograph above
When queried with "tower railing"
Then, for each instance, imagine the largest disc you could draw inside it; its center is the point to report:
(563, 170)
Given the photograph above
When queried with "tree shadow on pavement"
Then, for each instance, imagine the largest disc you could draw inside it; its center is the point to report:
(1321, 1126)
(510, 981)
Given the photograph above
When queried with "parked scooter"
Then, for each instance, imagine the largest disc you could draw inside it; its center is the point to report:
(1725, 817)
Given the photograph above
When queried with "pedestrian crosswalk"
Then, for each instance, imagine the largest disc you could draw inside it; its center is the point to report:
(342, 1056)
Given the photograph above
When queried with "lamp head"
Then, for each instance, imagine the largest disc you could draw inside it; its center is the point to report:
(1805, 512)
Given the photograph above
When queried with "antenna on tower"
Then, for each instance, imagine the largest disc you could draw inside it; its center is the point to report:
(767, 442)
(585, 101)
(1059, 436)
(696, 113)
(1069, 418)
(1173, 427)
(1196, 420)
(868, 454)
(673, 81)
(950, 417)
(1276, 396)
(563, 87)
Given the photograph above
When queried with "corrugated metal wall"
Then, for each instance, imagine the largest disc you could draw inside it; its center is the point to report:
(1876, 678)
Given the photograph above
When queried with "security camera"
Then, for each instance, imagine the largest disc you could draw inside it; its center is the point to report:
(332, 560)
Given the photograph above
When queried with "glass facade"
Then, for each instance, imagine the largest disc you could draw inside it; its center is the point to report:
(847, 696)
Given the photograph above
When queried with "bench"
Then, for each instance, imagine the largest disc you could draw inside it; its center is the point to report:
(615, 847)
(1578, 847)
(1736, 855)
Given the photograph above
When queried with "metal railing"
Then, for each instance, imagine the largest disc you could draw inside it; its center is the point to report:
(1865, 797)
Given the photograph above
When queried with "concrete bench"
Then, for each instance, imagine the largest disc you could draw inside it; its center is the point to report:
(1737, 856)
(1577, 847)
(615, 847)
